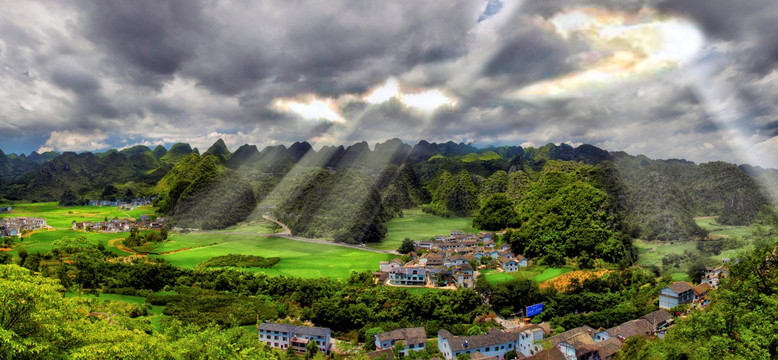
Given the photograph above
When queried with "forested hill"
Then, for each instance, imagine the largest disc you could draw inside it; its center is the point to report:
(656, 199)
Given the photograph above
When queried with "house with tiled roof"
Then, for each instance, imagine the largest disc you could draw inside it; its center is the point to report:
(675, 294)
(625, 330)
(282, 336)
(414, 339)
(408, 276)
(712, 276)
(529, 339)
(508, 264)
(700, 291)
(659, 320)
(494, 343)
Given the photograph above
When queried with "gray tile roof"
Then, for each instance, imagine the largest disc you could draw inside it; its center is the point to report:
(608, 347)
(657, 317)
(631, 328)
(408, 336)
(556, 339)
(680, 287)
(492, 338)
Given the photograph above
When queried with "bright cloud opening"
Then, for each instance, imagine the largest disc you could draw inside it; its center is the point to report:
(312, 107)
(623, 46)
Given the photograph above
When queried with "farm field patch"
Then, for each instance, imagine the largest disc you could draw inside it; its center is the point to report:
(418, 225)
(62, 217)
(300, 259)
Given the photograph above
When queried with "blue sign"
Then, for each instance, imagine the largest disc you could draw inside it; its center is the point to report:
(533, 310)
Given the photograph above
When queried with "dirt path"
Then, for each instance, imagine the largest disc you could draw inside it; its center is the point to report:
(115, 242)
(286, 232)
(705, 217)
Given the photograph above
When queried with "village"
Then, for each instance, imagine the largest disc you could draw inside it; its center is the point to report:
(17, 226)
(449, 261)
(120, 225)
(532, 341)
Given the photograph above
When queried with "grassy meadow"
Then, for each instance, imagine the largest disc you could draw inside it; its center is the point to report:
(62, 217)
(300, 259)
(418, 225)
(537, 274)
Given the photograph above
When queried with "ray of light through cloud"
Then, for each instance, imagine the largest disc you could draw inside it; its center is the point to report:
(622, 47)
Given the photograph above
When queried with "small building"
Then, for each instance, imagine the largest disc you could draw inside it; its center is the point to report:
(659, 320)
(509, 265)
(675, 294)
(523, 262)
(464, 275)
(408, 276)
(414, 339)
(622, 332)
(700, 291)
(387, 266)
(529, 339)
(282, 336)
(712, 276)
(494, 343)
(431, 259)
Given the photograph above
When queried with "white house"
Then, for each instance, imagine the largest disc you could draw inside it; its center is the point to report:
(494, 343)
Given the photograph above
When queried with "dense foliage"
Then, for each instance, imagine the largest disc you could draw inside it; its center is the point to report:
(344, 205)
(741, 321)
(238, 260)
(200, 192)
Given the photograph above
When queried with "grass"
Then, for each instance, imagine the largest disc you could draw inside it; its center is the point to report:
(300, 259)
(259, 227)
(42, 240)
(418, 225)
(537, 274)
(710, 224)
(62, 217)
(651, 253)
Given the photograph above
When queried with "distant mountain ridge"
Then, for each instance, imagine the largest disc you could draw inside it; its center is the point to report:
(661, 197)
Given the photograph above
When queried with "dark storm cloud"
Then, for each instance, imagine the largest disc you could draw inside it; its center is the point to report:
(155, 37)
(531, 54)
(197, 70)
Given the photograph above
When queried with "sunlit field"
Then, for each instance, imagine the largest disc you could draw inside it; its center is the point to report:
(300, 259)
(418, 225)
(62, 217)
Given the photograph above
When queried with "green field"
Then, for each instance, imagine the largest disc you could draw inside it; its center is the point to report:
(63, 217)
(257, 226)
(42, 240)
(653, 252)
(536, 273)
(418, 225)
(300, 259)
(709, 224)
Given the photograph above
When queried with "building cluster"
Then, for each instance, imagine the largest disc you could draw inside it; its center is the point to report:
(6, 209)
(528, 341)
(120, 225)
(283, 336)
(122, 204)
(448, 259)
(683, 293)
(16, 225)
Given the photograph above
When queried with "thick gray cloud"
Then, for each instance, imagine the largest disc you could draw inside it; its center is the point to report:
(122, 72)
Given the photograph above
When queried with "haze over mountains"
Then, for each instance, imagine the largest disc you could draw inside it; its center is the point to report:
(659, 197)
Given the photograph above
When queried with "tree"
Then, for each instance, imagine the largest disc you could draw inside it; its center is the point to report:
(22, 255)
(497, 213)
(510, 355)
(110, 192)
(696, 269)
(290, 354)
(397, 349)
(474, 330)
(370, 337)
(68, 198)
(311, 349)
(164, 232)
(406, 246)
(5, 258)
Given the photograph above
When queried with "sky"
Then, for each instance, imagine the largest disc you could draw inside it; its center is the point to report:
(669, 79)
